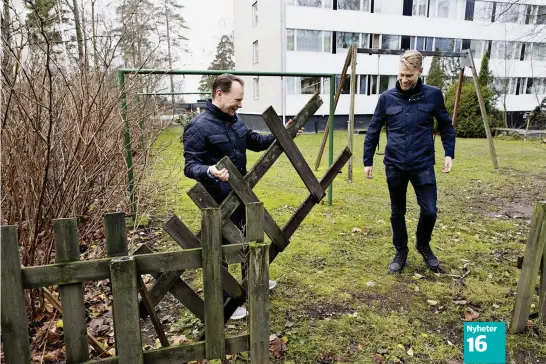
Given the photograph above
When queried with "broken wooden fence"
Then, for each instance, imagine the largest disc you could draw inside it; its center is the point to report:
(124, 272)
(242, 193)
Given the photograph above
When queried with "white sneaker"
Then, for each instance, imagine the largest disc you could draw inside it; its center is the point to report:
(272, 285)
(240, 313)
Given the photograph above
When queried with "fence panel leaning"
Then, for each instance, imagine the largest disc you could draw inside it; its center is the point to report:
(124, 272)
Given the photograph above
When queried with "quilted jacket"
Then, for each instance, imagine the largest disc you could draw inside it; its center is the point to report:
(409, 120)
(209, 137)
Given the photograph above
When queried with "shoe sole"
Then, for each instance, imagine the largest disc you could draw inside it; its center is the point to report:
(238, 317)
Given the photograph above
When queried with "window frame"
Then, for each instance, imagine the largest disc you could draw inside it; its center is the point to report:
(255, 52)
(256, 88)
(255, 14)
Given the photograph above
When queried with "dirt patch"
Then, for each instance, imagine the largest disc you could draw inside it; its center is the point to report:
(320, 311)
(398, 299)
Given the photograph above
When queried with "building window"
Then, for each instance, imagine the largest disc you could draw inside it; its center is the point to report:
(389, 6)
(444, 8)
(538, 52)
(255, 52)
(419, 8)
(483, 11)
(538, 13)
(255, 13)
(309, 40)
(421, 43)
(311, 3)
(309, 85)
(510, 13)
(327, 42)
(365, 40)
(348, 4)
(386, 83)
(290, 40)
(477, 48)
(363, 84)
(346, 88)
(390, 42)
(372, 85)
(256, 88)
(344, 41)
(505, 50)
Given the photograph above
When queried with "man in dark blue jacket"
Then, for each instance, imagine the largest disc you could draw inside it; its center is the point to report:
(219, 132)
(408, 111)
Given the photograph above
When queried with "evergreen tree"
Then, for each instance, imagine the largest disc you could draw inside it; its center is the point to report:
(485, 78)
(223, 61)
(436, 75)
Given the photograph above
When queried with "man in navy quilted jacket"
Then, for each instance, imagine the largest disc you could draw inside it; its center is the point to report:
(219, 132)
(408, 111)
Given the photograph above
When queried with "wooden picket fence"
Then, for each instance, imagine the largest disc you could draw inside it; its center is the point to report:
(124, 272)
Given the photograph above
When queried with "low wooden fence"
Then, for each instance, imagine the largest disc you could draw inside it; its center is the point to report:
(124, 272)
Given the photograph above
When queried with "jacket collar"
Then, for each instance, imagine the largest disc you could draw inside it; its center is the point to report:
(411, 92)
(219, 114)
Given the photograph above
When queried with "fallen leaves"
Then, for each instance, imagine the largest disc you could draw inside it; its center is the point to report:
(432, 302)
(277, 345)
(470, 314)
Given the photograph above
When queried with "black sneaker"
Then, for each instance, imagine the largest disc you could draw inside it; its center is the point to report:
(398, 262)
(428, 256)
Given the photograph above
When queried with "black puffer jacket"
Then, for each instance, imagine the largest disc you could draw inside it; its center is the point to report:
(212, 135)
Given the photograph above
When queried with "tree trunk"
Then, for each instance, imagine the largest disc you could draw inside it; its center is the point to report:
(6, 37)
(94, 37)
(169, 53)
(79, 36)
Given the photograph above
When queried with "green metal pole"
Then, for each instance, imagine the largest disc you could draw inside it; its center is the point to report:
(331, 132)
(140, 122)
(128, 153)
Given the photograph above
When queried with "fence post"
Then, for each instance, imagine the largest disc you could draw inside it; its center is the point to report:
(67, 249)
(125, 309)
(531, 261)
(211, 239)
(14, 318)
(258, 283)
(116, 235)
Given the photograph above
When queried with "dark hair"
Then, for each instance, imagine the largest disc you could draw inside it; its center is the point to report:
(223, 83)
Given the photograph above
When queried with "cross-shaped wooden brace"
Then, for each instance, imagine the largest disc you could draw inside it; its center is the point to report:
(242, 193)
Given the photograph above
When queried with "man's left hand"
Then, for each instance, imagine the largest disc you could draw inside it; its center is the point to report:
(448, 162)
(289, 124)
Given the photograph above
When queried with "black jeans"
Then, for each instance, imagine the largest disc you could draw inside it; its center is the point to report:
(424, 184)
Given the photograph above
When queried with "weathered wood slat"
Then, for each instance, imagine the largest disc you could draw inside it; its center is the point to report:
(171, 282)
(116, 234)
(542, 304)
(231, 202)
(245, 193)
(181, 233)
(258, 284)
(150, 307)
(174, 225)
(75, 272)
(212, 282)
(203, 200)
(185, 353)
(125, 310)
(14, 319)
(67, 249)
(534, 251)
(292, 152)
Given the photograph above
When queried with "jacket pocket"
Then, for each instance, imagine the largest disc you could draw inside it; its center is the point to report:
(425, 114)
(220, 143)
(394, 117)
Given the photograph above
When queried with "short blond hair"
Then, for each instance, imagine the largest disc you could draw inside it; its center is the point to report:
(412, 59)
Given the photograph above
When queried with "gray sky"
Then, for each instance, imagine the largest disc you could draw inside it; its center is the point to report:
(208, 20)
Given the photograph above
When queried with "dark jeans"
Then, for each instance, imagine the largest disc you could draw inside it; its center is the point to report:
(424, 184)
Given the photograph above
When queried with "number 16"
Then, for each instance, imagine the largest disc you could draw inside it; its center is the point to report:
(480, 346)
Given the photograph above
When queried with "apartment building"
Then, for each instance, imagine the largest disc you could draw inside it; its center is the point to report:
(313, 36)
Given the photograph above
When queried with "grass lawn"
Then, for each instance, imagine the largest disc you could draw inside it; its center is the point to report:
(335, 300)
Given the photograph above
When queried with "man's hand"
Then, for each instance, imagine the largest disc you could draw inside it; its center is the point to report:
(289, 124)
(448, 162)
(222, 174)
(368, 172)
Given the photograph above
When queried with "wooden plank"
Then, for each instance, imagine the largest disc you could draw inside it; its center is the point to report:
(181, 233)
(171, 282)
(203, 200)
(13, 315)
(150, 307)
(245, 193)
(492, 152)
(212, 282)
(258, 295)
(351, 125)
(458, 97)
(67, 249)
(185, 353)
(336, 99)
(292, 152)
(534, 251)
(254, 222)
(116, 234)
(268, 158)
(542, 304)
(174, 225)
(123, 271)
(93, 270)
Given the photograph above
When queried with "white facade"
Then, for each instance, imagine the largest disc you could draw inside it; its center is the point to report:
(300, 36)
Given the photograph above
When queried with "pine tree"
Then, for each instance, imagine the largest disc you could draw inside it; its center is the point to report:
(223, 61)
(436, 75)
(485, 78)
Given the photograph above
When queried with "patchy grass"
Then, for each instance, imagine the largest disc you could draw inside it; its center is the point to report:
(335, 300)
